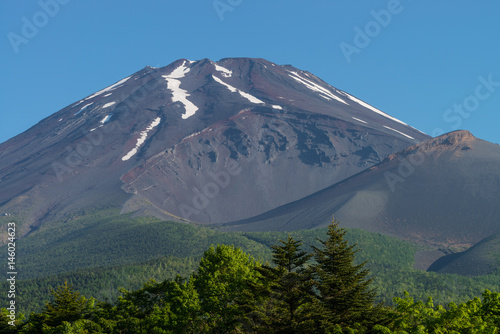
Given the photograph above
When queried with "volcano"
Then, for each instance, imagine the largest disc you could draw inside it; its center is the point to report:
(195, 141)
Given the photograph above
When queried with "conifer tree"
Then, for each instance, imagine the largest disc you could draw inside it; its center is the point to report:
(67, 306)
(280, 302)
(343, 287)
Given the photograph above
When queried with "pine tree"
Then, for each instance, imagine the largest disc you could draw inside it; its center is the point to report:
(343, 287)
(67, 306)
(280, 302)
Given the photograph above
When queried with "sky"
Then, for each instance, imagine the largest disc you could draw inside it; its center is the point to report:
(432, 64)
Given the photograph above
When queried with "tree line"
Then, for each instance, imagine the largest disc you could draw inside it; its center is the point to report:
(321, 291)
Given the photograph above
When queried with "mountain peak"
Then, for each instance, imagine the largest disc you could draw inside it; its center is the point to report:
(451, 140)
(455, 137)
(174, 134)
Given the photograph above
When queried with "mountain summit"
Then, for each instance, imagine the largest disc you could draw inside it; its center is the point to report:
(200, 141)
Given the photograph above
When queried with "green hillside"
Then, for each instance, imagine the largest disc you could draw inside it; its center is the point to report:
(106, 238)
(102, 251)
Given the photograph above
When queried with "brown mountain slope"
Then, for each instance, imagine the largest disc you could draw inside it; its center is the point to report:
(443, 192)
(199, 140)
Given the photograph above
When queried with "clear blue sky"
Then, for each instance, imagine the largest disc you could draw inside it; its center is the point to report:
(415, 65)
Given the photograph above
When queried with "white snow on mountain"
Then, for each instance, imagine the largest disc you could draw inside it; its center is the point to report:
(107, 89)
(84, 107)
(103, 121)
(179, 72)
(109, 104)
(250, 98)
(231, 88)
(224, 71)
(106, 119)
(325, 93)
(277, 107)
(179, 94)
(141, 139)
(247, 96)
(366, 105)
(404, 134)
(359, 120)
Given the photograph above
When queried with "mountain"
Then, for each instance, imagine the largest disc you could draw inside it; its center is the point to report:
(196, 141)
(443, 192)
(481, 259)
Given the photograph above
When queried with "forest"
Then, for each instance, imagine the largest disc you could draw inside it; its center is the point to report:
(319, 288)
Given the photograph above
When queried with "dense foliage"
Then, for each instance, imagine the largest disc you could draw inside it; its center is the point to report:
(318, 291)
(165, 255)
(124, 240)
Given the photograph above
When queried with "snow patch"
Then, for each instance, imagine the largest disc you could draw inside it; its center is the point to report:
(107, 95)
(359, 120)
(60, 120)
(325, 93)
(103, 121)
(277, 107)
(84, 107)
(250, 98)
(247, 96)
(224, 71)
(106, 119)
(141, 139)
(404, 134)
(366, 105)
(109, 104)
(231, 88)
(179, 94)
(107, 89)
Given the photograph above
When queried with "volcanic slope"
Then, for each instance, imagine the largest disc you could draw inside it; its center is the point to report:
(481, 259)
(197, 141)
(443, 192)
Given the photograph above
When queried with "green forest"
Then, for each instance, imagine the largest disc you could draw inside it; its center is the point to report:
(311, 284)
(101, 251)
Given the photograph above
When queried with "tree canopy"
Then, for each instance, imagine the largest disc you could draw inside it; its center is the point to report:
(321, 291)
